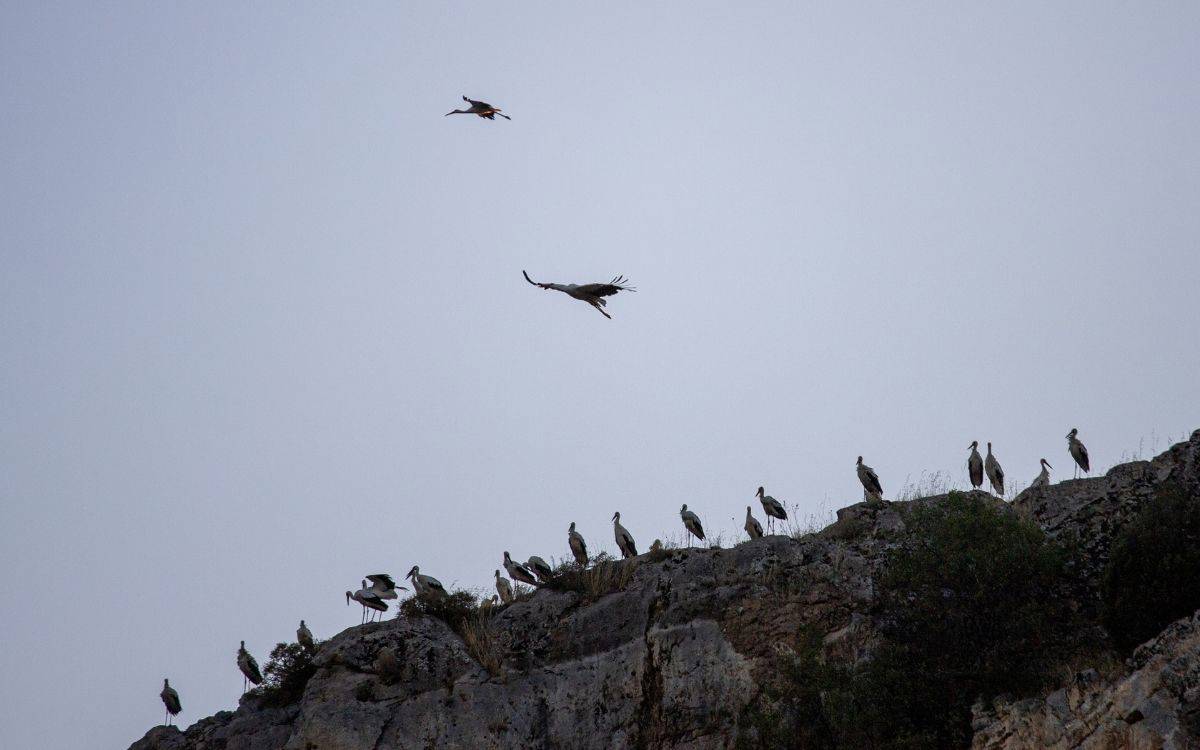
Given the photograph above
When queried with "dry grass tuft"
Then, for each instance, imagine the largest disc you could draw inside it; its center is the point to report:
(486, 643)
(605, 576)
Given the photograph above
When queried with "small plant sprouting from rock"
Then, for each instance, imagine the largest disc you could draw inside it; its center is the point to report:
(288, 671)
(486, 643)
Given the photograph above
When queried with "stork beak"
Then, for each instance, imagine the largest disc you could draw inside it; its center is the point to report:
(614, 517)
(1048, 464)
(347, 598)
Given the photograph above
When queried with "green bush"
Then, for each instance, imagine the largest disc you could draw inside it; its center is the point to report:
(288, 671)
(453, 609)
(967, 607)
(1153, 575)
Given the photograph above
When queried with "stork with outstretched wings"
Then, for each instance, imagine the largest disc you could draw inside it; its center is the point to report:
(593, 294)
(483, 109)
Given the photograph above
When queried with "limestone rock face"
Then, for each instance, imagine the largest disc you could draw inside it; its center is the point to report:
(1155, 707)
(672, 658)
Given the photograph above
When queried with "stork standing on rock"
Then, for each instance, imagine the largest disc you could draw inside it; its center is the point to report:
(1078, 452)
(593, 294)
(691, 522)
(540, 567)
(304, 637)
(249, 668)
(368, 599)
(772, 507)
(752, 527)
(975, 465)
(578, 546)
(1043, 479)
(170, 700)
(383, 586)
(995, 474)
(504, 588)
(483, 109)
(623, 537)
(424, 585)
(518, 571)
(870, 480)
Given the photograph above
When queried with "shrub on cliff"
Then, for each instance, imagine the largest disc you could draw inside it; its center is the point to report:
(453, 609)
(287, 673)
(1153, 575)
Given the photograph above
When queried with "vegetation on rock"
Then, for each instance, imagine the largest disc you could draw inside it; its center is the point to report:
(287, 672)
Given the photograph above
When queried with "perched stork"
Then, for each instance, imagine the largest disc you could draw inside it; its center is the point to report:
(249, 667)
(593, 294)
(518, 571)
(752, 527)
(870, 480)
(995, 474)
(483, 109)
(1043, 479)
(975, 465)
(1078, 452)
(691, 522)
(504, 588)
(304, 637)
(772, 507)
(578, 546)
(368, 599)
(540, 568)
(170, 699)
(624, 538)
(487, 604)
(383, 586)
(424, 585)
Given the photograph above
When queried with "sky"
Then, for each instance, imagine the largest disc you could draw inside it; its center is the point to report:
(263, 329)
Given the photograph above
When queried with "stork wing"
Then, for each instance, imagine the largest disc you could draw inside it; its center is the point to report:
(618, 284)
(482, 105)
(383, 579)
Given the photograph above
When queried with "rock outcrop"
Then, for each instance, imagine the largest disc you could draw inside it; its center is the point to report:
(672, 657)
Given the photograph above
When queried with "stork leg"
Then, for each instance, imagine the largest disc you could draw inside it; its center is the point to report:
(596, 305)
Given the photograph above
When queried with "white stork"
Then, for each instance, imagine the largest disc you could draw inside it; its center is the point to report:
(870, 480)
(540, 568)
(368, 599)
(1078, 452)
(691, 522)
(249, 667)
(593, 294)
(975, 465)
(752, 527)
(384, 587)
(424, 585)
(483, 109)
(518, 571)
(170, 700)
(504, 588)
(1043, 479)
(578, 546)
(624, 538)
(995, 474)
(304, 637)
(772, 507)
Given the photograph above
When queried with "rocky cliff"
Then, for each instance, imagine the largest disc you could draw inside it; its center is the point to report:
(675, 655)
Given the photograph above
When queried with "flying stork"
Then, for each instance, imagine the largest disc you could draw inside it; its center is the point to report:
(518, 571)
(540, 568)
(752, 527)
(170, 700)
(426, 585)
(1043, 479)
(691, 522)
(772, 507)
(249, 667)
(304, 637)
(975, 465)
(483, 109)
(995, 474)
(578, 546)
(1078, 452)
(870, 480)
(624, 538)
(368, 599)
(593, 294)
(504, 588)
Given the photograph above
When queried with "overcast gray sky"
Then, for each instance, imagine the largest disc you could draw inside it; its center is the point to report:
(263, 328)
